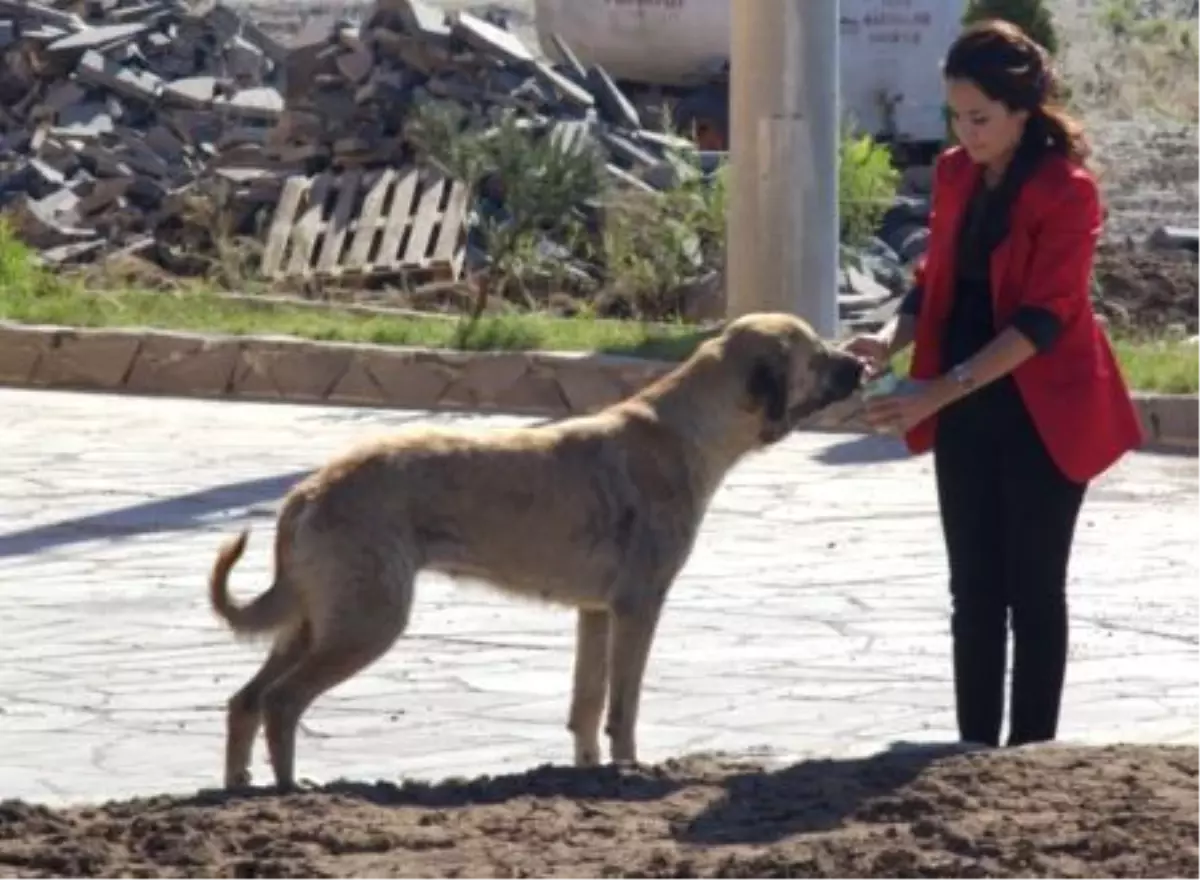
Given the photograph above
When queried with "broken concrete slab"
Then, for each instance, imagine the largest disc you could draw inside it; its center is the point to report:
(193, 91)
(574, 67)
(262, 103)
(103, 37)
(611, 101)
(98, 70)
(418, 18)
(489, 39)
(150, 105)
(1174, 238)
(28, 10)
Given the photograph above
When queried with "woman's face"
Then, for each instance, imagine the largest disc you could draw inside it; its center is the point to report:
(987, 129)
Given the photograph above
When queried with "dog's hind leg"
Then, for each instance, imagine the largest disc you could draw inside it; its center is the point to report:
(336, 655)
(632, 634)
(591, 684)
(244, 713)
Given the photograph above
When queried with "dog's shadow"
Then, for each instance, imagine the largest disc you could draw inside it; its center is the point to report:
(547, 781)
(754, 804)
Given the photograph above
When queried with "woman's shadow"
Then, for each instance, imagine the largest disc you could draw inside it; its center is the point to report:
(864, 449)
(763, 806)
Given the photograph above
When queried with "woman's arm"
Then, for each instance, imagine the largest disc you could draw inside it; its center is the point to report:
(898, 333)
(998, 358)
(1060, 288)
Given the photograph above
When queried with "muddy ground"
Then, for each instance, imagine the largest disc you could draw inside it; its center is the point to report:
(1146, 292)
(1127, 811)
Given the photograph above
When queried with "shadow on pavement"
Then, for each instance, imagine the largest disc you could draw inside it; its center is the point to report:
(866, 449)
(164, 515)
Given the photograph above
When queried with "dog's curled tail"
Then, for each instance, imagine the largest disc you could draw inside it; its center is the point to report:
(271, 609)
(262, 614)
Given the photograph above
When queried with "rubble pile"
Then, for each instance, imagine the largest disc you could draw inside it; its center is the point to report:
(116, 114)
(158, 127)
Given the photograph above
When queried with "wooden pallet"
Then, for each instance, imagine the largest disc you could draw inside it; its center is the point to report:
(385, 221)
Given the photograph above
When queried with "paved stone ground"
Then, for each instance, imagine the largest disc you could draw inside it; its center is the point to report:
(810, 621)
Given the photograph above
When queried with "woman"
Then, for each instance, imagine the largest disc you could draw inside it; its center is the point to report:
(1015, 389)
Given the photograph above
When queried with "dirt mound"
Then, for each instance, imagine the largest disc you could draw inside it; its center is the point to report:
(1052, 811)
(1147, 291)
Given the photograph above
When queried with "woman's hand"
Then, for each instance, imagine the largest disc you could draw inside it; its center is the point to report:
(871, 350)
(900, 412)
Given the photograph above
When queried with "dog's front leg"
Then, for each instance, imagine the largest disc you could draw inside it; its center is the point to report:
(633, 629)
(591, 683)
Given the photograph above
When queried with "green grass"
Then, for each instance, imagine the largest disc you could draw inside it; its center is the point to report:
(1169, 367)
(207, 312)
(30, 295)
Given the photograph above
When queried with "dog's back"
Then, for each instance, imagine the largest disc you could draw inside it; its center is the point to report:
(475, 505)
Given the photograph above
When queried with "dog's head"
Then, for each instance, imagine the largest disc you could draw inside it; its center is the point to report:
(788, 371)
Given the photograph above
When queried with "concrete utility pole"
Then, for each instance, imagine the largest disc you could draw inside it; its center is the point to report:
(784, 132)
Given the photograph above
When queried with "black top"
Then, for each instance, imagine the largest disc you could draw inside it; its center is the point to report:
(971, 324)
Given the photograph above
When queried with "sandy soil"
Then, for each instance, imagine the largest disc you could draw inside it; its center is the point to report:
(1049, 812)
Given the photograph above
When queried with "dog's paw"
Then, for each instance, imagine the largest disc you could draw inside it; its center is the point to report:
(628, 764)
(238, 781)
(297, 786)
(587, 756)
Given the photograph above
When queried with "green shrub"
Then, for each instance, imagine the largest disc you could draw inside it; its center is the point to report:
(540, 185)
(1128, 23)
(1032, 16)
(651, 245)
(656, 243)
(20, 272)
(867, 183)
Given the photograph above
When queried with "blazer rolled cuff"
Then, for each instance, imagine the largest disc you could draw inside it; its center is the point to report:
(911, 304)
(1040, 326)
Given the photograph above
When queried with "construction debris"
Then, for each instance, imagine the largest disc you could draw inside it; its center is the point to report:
(381, 222)
(132, 124)
(115, 116)
(161, 128)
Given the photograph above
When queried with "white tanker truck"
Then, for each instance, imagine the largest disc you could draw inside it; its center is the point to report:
(677, 52)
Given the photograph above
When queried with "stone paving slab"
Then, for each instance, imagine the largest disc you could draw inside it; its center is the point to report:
(811, 620)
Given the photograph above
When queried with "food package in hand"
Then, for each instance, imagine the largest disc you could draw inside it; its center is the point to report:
(880, 386)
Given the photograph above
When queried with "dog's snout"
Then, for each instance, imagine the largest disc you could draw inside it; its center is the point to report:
(847, 373)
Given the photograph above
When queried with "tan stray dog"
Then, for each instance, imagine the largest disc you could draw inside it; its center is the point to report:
(597, 512)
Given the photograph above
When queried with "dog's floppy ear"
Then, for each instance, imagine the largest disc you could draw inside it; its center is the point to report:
(768, 386)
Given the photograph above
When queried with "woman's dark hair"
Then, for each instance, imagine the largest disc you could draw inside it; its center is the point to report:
(1009, 66)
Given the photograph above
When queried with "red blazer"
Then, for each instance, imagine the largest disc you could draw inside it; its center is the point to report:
(1074, 391)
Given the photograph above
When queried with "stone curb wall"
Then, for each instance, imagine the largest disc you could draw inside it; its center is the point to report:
(550, 384)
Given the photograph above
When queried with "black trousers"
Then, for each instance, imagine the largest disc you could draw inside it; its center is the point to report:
(1008, 516)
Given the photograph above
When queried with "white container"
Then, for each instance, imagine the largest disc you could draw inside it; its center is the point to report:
(890, 58)
(659, 42)
(890, 50)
